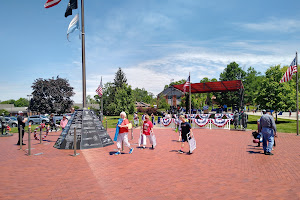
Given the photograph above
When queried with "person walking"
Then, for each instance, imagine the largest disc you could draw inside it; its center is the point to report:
(136, 119)
(52, 123)
(268, 129)
(21, 122)
(185, 129)
(123, 134)
(152, 118)
(147, 131)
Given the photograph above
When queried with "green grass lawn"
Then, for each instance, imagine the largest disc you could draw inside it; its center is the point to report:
(283, 125)
(15, 129)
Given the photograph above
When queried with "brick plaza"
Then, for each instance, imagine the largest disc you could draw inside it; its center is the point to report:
(225, 165)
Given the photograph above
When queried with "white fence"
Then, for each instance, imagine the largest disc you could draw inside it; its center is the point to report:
(217, 123)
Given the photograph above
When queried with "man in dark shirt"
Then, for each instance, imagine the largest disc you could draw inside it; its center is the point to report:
(185, 129)
(268, 129)
(21, 122)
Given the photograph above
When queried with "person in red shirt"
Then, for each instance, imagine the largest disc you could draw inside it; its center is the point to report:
(147, 131)
(123, 134)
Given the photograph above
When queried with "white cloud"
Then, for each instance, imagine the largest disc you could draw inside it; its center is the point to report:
(274, 24)
(154, 74)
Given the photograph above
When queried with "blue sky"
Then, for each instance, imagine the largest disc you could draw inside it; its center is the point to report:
(153, 41)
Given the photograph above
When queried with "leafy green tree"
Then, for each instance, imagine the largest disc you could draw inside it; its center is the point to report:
(22, 102)
(11, 101)
(252, 85)
(91, 100)
(124, 100)
(117, 96)
(141, 95)
(206, 97)
(182, 81)
(231, 72)
(51, 95)
(162, 103)
(275, 95)
(4, 112)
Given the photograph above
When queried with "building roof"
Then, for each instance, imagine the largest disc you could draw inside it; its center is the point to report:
(171, 91)
(12, 109)
(141, 104)
(89, 105)
(219, 86)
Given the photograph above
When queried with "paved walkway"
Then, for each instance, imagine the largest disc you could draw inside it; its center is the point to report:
(285, 115)
(225, 165)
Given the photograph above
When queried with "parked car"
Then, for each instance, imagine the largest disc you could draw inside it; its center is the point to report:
(37, 119)
(57, 119)
(11, 122)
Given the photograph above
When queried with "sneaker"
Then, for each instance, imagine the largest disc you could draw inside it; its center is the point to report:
(180, 151)
(152, 147)
(189, 153)
(118, 153)
(130, 151)
(144, 147)
(269, 153)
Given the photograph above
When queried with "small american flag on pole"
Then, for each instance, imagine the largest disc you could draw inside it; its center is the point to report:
(51, 3)
(186, 84)
(99, 89)
(289, 72)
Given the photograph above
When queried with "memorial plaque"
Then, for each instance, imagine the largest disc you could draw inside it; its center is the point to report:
(90, 132)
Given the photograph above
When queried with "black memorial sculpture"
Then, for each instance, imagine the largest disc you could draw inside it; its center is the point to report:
(90, 132)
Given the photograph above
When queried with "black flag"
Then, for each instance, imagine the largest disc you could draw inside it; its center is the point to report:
(71, 5)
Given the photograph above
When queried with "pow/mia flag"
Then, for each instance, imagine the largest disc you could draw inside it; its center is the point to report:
(73, 4)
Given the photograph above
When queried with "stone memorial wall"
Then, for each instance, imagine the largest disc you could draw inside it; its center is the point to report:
(90, 132)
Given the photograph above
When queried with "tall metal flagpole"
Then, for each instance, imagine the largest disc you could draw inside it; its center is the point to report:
(297, 94)
(190, 97)
(101, 100)
(83, 57)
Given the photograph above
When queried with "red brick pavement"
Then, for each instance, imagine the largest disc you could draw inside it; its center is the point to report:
(225, 165)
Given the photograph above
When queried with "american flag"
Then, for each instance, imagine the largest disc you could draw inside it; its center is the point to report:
(99, 89)
(51, 3)
(186, 84)
(289, 72)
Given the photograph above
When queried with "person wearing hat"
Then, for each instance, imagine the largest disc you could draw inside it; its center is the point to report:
(21, 122)
(268, 129)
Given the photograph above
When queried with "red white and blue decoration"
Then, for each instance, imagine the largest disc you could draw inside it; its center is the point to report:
(202, 116)
(40, 127)
(177, 121)
(219, 122)
(219, 115)
(166, 121)
(202, 122)
(193, 116)
(230, 116)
